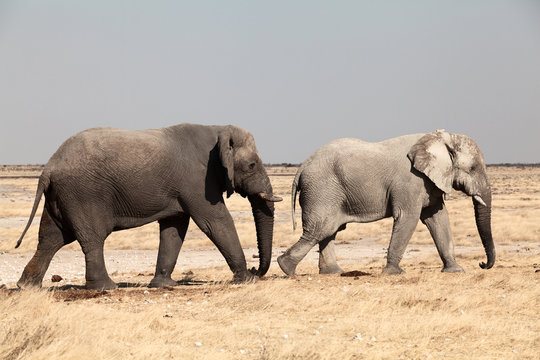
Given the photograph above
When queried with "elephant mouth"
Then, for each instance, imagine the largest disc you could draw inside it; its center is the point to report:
(269, 197)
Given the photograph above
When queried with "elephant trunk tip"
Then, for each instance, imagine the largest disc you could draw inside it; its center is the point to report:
(490, 262)
(485, 266)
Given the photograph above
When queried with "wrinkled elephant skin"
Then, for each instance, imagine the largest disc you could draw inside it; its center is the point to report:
(103, 180)
(349, 180)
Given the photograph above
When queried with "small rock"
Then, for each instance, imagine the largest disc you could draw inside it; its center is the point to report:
(285, 336)
(56, 278)
(168, 315)
(165, 295)
(316, 332)
(373, 338)
(358, 336)
(197, 343)
(146, 292)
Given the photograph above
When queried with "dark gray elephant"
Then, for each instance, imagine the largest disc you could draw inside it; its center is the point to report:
(349, 180)
(102, 180)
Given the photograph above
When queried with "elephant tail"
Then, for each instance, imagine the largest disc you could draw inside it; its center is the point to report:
(43, 184)
(296, 187)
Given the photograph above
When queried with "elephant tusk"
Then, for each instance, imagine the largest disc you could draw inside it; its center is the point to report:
(270, 197)
(479, 200)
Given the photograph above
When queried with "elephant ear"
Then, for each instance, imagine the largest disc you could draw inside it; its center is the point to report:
(226, 154)
(432, 156)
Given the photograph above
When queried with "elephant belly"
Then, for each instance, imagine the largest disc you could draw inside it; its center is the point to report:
(146, 216)
(367, 207)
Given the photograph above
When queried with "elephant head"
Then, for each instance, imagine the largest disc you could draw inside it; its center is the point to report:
(453, 161)
(245, 174)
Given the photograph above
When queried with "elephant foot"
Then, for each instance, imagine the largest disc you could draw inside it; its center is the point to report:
(244, 277)
(162, 281)
(333, 269)
(101, 284)
(392, 270)
(247, 277)
(28, 283)
(287, 264)
(455, 268)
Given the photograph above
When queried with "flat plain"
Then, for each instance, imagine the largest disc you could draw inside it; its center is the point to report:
(423, 314)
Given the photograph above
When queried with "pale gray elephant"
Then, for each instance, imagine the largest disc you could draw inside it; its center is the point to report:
(103, 180)
(349, 180)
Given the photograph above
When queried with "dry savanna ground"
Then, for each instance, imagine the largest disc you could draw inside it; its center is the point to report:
(491, 314)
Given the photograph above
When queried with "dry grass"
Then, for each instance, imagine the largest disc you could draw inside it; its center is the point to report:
(423, 314)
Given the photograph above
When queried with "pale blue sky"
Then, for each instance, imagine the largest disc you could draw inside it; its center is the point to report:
(297, 74)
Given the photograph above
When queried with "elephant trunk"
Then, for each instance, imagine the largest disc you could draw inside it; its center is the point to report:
(263, 214)
(482, 212)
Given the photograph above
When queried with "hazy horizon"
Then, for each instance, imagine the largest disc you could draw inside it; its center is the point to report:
(296, 74)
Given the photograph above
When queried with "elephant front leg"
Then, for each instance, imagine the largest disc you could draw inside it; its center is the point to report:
(404, 226)
(327, 257)
(437, 221)
(172, 232)
(218, 225)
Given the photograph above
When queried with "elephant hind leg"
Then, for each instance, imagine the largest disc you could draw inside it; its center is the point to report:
(97, 277)
(315, 231)
(327, 257)
(50, 239)
(290, 259)
(319, 222)
(92, 241)
(172, 232)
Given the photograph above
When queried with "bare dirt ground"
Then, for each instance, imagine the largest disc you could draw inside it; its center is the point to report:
(123, 264)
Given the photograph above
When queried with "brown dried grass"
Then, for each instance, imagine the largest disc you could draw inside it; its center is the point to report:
(423, 314)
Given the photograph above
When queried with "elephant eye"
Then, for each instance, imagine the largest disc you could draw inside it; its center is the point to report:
(252, 166)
